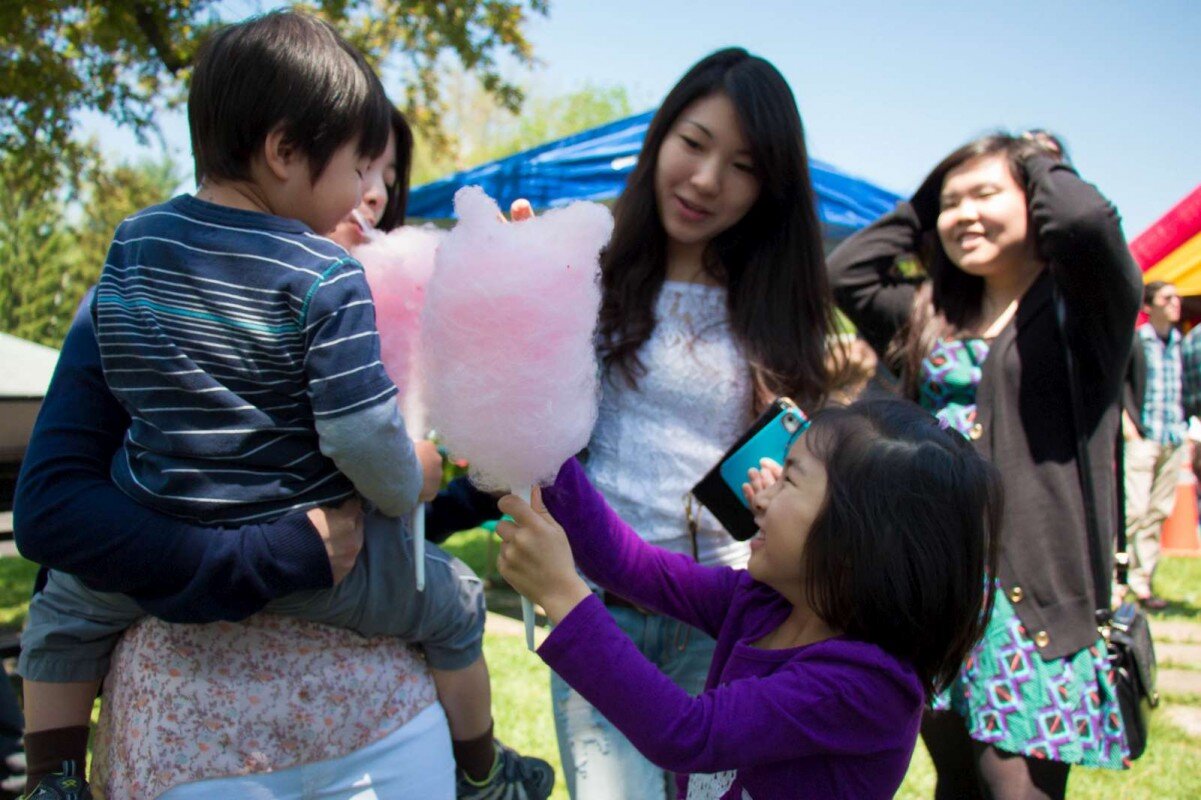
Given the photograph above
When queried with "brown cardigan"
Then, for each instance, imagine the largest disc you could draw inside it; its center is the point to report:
(1023, 401)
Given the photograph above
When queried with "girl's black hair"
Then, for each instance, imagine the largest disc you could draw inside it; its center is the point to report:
(282, 69)
(771, 261)
(904, 552)
(951, 299)
(398, 191)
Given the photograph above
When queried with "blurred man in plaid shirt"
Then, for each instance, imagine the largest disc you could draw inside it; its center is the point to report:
(1154, 430)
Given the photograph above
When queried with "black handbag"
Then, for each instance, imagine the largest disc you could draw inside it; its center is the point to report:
(1132, 656)
(1127, 634)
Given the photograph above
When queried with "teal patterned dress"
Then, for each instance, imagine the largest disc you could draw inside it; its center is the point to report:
(1062, 709)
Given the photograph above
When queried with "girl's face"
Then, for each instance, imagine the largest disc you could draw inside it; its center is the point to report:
(983, 222)
(705, 180)
(379, 175)
(785, 512)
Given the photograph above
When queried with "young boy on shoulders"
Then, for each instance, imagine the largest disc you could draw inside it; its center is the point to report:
(243, 344)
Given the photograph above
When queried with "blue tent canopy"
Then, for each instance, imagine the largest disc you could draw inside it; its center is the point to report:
(594, 165)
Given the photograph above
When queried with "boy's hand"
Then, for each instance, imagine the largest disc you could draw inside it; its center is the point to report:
(431, 469)
(759, 479)
(341, 531)
(535, 557)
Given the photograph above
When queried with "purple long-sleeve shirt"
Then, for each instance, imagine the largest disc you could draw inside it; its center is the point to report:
(837, 718)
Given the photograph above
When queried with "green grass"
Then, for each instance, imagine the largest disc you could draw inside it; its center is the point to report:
(16, 583)
(521, 694)
(522, 705)
(1161, 774)
(478, 549)
(1178, 580)
(521, 702)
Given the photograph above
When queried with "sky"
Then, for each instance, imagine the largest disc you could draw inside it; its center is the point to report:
(886, 88)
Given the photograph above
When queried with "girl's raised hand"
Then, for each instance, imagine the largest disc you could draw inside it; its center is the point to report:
(535, 556)
(759, 479)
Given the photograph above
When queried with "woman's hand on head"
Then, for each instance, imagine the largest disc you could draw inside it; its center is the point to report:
(1046, 143)
(760, 479)
(341, 531)
(535, 556)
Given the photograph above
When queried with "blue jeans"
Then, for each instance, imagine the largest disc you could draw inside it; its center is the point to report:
(598, 762)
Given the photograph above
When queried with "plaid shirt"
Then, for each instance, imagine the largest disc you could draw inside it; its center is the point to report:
(1190, 357)
(1163, 410)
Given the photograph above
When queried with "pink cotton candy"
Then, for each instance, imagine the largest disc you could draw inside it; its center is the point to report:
(508, 355)
(398, 267)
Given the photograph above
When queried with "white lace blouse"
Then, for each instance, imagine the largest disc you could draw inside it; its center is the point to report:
(653, 443)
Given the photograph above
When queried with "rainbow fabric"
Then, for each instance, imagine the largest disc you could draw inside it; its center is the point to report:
(1170, 250)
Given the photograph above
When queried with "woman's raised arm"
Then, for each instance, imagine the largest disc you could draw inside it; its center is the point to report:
(866, 283)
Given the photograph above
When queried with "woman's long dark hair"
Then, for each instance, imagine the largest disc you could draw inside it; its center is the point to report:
(771, 261)
(398, 191)
(951, 299)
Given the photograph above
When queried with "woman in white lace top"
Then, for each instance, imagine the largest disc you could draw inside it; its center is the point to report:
(715, 301)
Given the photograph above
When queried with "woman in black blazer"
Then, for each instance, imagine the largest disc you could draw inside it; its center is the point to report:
(957, 290)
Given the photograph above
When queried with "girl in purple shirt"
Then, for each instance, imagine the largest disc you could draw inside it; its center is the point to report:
(866, 586)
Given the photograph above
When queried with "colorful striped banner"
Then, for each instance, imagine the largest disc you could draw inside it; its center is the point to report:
(1170, 249)
(1170, 231)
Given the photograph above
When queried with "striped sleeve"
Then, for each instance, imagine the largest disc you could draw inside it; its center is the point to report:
(342, 361)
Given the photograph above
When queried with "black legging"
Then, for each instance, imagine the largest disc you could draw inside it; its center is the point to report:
(971, 770)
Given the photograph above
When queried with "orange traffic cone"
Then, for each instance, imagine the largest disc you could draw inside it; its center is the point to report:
(1180, 529)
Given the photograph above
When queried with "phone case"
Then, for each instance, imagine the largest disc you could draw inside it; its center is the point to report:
(772, 441)
(770, 436)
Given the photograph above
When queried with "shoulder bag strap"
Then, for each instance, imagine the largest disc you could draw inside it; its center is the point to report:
(1101, 579)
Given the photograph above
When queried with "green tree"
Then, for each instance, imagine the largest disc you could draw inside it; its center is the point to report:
(112, 193)
(486, 130)
(54, 236)
(127, 58)
(36, 256)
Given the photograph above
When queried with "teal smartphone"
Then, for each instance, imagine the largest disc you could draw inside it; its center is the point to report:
(770, 436)
(771, 441)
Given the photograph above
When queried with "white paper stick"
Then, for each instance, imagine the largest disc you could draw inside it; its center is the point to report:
(527, 606)
(368, 229)
(419, 545)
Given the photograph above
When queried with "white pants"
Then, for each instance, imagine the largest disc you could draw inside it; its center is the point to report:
(413, 762)
(1152, 472)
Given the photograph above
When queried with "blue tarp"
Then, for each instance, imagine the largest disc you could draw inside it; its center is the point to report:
(594, 165)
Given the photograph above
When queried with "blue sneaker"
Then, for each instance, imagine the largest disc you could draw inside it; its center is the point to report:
(65, 785)
(513, 777)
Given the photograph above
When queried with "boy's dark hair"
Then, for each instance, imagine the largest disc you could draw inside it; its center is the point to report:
(287, 70)
(904, 553)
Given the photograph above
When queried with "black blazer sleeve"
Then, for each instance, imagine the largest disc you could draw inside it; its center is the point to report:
(1079, 233)
(867, 285)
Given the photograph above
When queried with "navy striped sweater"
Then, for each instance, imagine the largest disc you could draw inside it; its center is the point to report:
(225, 334)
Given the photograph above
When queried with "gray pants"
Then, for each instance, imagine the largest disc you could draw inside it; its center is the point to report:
(71, 630)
